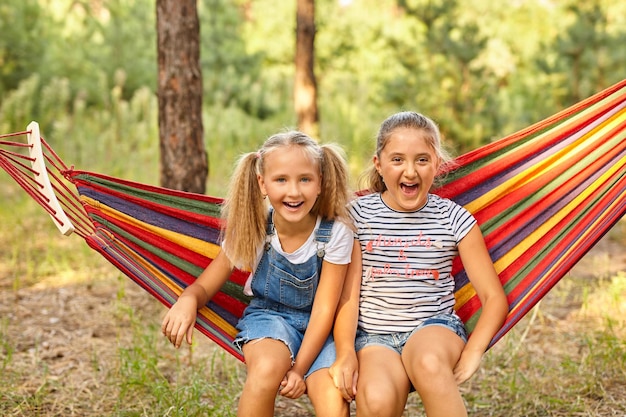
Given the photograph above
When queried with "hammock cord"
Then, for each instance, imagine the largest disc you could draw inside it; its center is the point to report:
(15, 162)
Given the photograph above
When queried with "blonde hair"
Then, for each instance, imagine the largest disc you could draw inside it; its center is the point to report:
(405, 120)
(245, 211)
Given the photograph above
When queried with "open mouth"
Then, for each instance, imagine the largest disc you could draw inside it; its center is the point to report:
(410, 189)
(293, 205)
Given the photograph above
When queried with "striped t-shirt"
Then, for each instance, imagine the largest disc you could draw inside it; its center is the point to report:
(407, 261)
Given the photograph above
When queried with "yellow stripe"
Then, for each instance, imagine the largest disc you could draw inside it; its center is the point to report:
(563, 257)
(217, 320)
(148, 267)
(463, 295)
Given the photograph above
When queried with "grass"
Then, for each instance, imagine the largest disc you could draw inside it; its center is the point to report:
(193, 386)
(79, 339)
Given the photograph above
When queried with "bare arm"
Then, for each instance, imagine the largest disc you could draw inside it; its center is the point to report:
(345, 370)
(320, 325)
(484, 278)
(179, 321)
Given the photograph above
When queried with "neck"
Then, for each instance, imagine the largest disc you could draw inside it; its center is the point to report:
(293, 235)
(285, 228)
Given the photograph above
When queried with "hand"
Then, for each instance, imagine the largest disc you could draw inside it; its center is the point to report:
(292, 385)
(468, 364)
(179, 320)
(345, 373)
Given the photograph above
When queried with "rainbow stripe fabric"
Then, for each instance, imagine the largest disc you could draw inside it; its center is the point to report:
(542, 197)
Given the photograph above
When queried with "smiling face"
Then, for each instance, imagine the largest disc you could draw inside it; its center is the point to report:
(292, 181)
(408, 165)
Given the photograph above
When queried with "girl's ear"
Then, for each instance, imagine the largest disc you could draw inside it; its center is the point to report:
(261, 182)
(376, 163)
(438, 164)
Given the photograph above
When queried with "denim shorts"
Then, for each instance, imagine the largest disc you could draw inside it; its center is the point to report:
(288, 328)
(396, 341)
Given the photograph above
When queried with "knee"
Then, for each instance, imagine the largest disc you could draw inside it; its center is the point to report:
(379, 401)
(430, 372)
(430, 365)
(325, 397)
(332, 406)
(266, 374)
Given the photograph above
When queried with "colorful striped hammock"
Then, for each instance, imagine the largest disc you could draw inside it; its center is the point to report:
(542, 196)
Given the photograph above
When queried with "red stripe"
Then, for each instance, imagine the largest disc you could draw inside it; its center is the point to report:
(525, 217)
(225, 301)
(229, 347)
(151, 188)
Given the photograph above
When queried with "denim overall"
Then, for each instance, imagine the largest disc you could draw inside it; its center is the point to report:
(283, 295)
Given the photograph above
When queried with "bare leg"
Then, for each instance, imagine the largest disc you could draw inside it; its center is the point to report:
(326, 398)
(383, 385)
(429, 357)
(267, 362)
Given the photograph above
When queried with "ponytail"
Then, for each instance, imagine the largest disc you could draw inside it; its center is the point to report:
(373, 180)
(406, 120)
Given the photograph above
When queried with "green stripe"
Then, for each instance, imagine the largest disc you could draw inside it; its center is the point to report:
(188, 204)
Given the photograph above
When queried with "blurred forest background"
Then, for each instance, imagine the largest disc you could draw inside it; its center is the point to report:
(79, 339)
(86, 71)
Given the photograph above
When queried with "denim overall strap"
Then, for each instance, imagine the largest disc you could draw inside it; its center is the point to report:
(269, 229)
(322, 236)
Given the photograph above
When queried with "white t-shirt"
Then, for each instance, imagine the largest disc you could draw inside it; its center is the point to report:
(338, 250)
(407, 261)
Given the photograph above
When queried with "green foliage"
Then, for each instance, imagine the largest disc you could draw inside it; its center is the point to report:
(450, 45)
(193, 390)
(6, 349)
(231, 76)
(86, 71)
(583, 56)
(101, 44)
(22, 43)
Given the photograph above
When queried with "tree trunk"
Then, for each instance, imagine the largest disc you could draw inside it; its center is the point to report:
(305, 87)
(184, 162)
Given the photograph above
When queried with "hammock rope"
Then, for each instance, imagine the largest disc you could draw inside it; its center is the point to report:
(542, 196)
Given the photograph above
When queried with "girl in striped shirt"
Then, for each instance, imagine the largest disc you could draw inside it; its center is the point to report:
(397, 312)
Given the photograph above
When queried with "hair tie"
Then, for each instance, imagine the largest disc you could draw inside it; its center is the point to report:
(257, 155)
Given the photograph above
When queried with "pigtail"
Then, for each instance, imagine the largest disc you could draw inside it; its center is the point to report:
(244, 213)
(335, 195)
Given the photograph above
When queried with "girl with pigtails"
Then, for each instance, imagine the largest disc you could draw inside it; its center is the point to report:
(286, 221)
